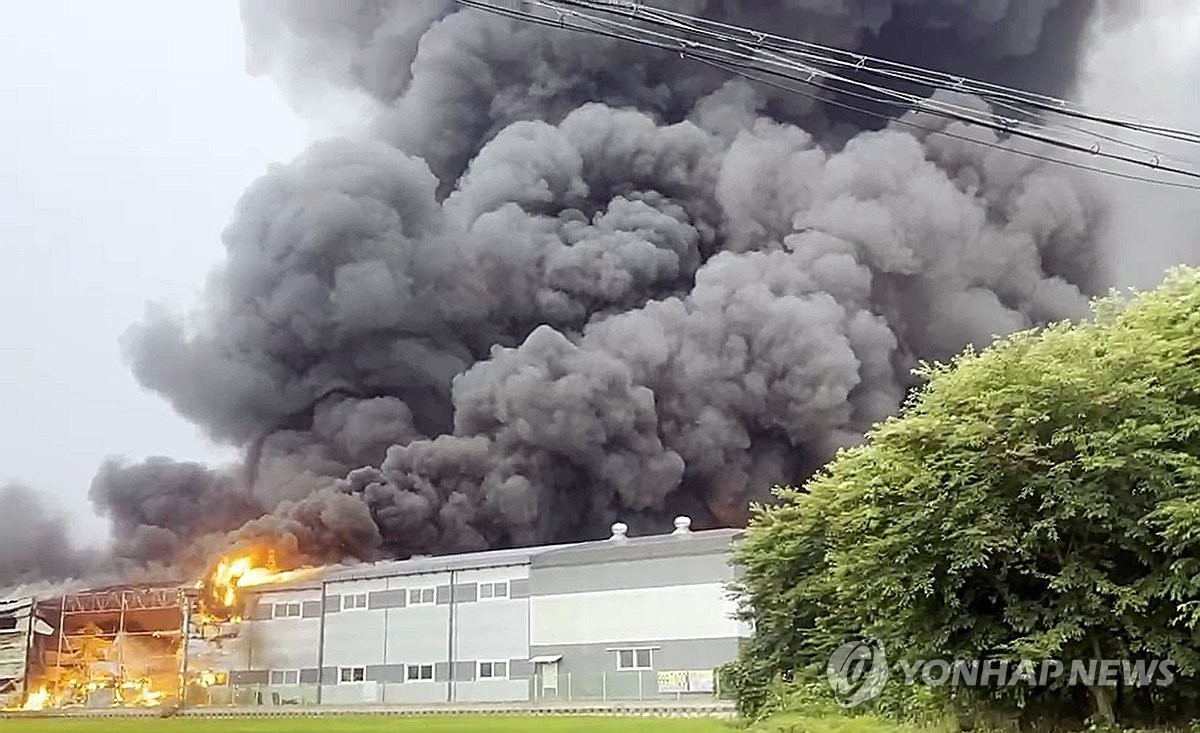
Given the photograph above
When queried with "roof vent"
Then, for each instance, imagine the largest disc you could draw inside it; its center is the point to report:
(683, 525)
(619, 530)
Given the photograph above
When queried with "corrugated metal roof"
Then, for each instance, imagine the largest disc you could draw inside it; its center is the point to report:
(578, 553)
(443, 563)
(706, 542)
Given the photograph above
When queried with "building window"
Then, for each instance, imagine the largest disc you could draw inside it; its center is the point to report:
(286, 610)
(417, 672)
(421, 596)
(493, 670)
(489, 591)
(352, 674)
(8, 623)
(631, 659)
(285, 677)
(354, 601)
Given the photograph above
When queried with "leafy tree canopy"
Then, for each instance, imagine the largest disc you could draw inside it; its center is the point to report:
(1038, 499)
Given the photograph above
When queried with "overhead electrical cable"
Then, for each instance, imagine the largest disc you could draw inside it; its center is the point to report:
(753, 63)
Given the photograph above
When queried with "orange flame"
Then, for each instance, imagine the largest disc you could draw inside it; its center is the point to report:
(221, 598)
(38, 699)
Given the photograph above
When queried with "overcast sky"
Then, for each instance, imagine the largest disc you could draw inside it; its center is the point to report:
(127, 132)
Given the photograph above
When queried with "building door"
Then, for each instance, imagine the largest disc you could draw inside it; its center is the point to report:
(547, 674)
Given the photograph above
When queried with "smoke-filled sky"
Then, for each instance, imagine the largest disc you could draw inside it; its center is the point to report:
(536, 282)
(128, 132)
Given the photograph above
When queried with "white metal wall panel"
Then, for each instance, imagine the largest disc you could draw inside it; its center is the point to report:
(418, 634)
(496, 628)
(642, 614)
(283, 643)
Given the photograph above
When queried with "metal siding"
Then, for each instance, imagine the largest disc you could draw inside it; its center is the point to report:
(387, 599)
(354, 638)
(492, 691)
(12, 656)
(14, 640)
(385, 673)
(640, 548)
(17, 607)
(464, 671)
(249, 677)
(466, 593)
(310, 609)
(489, 560)
(492, 630)
(677, 654)
(518, 588)
(417, 634)
(631, 574)
(639, 614)
(291, 643)
(520, 669)
(411, 693)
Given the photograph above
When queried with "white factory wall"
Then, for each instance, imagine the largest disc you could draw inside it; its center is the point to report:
(385, 641)
(284, 643)
(493, 630)
(697, 611)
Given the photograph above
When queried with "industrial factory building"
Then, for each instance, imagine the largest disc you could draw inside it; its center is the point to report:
(627, 618)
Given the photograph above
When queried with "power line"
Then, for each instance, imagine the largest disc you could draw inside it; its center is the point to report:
(869, 64)
(737, 61)
(976, 141)
(961, 113)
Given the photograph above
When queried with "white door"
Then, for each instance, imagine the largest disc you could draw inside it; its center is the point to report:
(548, 672)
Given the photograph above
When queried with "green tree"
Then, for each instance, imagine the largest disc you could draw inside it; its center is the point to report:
(1039, 499)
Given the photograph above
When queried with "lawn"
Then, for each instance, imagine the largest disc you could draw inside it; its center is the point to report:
(367, 724)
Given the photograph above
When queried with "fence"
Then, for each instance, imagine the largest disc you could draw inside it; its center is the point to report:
(600, 687)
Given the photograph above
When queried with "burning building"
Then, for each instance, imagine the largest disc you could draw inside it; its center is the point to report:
(616, 619)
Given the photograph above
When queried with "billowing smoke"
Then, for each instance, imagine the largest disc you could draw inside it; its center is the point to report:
(35, 546)
(551, 281)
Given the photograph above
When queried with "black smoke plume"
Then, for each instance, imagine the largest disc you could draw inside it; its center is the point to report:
(551, 281)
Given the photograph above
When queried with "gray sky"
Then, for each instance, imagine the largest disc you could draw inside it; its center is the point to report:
(127, 132)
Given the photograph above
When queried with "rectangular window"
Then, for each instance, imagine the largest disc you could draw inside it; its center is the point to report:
(285, 677)
(352, 674)
(488, 591)
(286, 610)
(418, 672)
(633, 659)
(493, 670)
(354, 601)
(8, 623)
(420, 596)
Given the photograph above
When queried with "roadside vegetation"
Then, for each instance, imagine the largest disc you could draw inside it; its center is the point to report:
(1039, 499)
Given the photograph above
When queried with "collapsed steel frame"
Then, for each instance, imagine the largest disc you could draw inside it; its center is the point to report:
(111, 616)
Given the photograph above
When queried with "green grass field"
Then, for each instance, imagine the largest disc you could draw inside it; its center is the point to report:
(366, 724)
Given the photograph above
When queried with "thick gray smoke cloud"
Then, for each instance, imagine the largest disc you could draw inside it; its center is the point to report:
(35, 545)
(554, 281)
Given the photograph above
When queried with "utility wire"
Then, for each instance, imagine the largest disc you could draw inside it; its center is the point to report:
(965, 138)
(869, 64)
(713, 57)
(951, 111)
